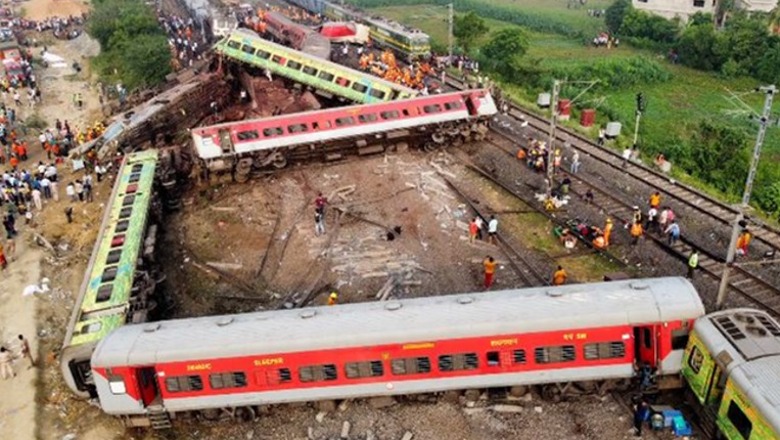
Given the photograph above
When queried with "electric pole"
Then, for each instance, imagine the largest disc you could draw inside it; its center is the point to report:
(449, 34)
(769, 91)
(551, 143)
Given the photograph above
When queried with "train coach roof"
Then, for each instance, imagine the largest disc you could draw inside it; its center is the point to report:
(760, 381)
(414, 320)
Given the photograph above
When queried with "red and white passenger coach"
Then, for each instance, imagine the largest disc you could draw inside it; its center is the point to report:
(576, 333)
(437, 120)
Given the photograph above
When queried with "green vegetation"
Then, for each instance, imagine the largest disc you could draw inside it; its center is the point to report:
(687, 108)
(134, 49)
(504, 51)
(467, 30)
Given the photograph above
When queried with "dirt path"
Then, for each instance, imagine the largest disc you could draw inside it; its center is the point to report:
(17, 315)
(42, 9)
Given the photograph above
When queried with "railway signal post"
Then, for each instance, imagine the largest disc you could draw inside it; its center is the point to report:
(641, 104)
(769, 92)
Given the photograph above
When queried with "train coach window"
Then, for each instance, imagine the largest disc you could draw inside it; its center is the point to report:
(309, 70)
(325, 76)
(433, 108)
(122, 226)
(695, 360)
(104, 292)
(740, 421)
(178, 384)
(278, 60)
(390, 114)
(234, 45)
(135, 177)
(321, 125)
(247, 135)
(297, 128)
(284, 375)
(272, 131)
(294, 65)
(454, 105)
(137, 168)
(219, 381)
(109, 274)
(347, 120)
(377, 93)
(413, 365)
(316, 373)
(367, 118)
(493, 359)
(343, 82)
(454, 362)
(114, 256)
(548, 355)
(518, 357)
(247, 49)
(605, 350)
(263, 54)
(679, 338)
(359, 88)
(357, 370)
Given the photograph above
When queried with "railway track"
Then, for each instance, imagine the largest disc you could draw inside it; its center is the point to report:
(742, 281)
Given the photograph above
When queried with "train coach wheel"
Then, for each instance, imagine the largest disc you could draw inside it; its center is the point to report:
(279, 161)
(210, 414)
(430, 146)
(438, 138)
(242, 178)
(245, 414)
(551, 393)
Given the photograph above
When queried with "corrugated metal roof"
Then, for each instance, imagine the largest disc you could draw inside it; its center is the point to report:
(416, 320)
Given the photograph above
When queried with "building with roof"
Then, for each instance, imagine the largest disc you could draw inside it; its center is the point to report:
(685, 8)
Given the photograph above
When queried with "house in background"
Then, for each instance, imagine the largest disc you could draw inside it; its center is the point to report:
(685, 8)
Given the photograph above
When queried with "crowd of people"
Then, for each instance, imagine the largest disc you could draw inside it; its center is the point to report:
(182, 40)
(385, 66)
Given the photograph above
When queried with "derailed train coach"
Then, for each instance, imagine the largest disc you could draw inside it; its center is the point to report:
(219, 366)
(429, 122)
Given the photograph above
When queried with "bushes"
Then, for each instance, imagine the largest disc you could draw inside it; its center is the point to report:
(612, 73)
(134, 49)
(643, 25)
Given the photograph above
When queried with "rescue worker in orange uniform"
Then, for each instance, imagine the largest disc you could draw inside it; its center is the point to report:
(607, 231)
(655, 200)
(490, 269)
(333, 299)
(636, 232)
(743, 242)
(599, 242)
(559, 277)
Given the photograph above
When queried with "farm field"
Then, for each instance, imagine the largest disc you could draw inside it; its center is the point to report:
(689, 96)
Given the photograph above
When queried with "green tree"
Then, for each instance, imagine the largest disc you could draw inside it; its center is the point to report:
(467, 29)
(697, 47)
(719, 155)
(134, 49)
(641, 24)
(504, 50)
(615, 14)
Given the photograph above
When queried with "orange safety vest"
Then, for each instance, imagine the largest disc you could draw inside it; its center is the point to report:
(607, 233)
(489, 267)
(655, 200)
(521, 154)
(599, 242)
(559, 277)
(636, 230)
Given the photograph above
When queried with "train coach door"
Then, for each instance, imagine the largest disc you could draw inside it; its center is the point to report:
(147, 385)
(644, 345)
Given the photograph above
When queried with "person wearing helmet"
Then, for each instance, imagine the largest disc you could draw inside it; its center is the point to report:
(333, 298)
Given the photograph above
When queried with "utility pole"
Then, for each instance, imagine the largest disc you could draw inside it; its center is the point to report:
(769, 91)
(450, 32)
(551, 142)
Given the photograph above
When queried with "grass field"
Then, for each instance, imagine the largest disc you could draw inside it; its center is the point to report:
(689, 96)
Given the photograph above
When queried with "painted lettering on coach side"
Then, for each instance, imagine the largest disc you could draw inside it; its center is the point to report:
(419, 346)
(575, 336)
(265, 362)
(198, 367)
(503, 342)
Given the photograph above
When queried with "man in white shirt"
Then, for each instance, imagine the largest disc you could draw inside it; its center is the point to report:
(492, 229)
